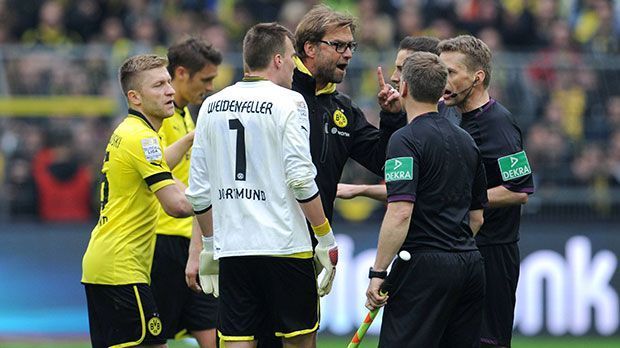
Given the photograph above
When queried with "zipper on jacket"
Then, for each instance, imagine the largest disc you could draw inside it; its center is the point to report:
(325, 137)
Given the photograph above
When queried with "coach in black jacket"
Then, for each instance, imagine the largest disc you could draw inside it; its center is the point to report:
(338, 128)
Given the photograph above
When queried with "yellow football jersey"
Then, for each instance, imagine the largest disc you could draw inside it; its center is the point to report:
(122, 243)
(173, 129)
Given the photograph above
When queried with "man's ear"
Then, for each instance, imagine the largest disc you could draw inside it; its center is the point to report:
(277, 60)
(404, 89)
(181, 73)
(310, 48)
(133, 97)
(480, 77)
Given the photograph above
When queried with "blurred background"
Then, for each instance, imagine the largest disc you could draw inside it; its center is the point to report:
(556, 67)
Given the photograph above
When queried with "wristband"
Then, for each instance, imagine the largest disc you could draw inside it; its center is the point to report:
(376, 274)
(322, 229)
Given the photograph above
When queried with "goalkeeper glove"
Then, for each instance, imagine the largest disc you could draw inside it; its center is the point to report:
(326, 252)
(209, 268)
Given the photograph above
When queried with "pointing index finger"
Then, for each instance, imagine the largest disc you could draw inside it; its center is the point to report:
(380, 78)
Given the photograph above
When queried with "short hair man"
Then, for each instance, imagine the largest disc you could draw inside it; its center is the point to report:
(436, 300)
(193, 65)
(251, 163)
(498, 136)
(135, 176)
(390, 101)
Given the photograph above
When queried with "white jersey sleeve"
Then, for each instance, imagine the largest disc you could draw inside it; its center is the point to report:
(300, 171)
(198, 190)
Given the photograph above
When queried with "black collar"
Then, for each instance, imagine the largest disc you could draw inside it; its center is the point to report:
(139, 115)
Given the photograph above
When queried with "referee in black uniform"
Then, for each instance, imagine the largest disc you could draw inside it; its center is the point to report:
(508, 176)
(436, 192)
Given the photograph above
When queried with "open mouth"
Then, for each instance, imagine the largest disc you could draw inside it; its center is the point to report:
(342, 67)
(447, 94)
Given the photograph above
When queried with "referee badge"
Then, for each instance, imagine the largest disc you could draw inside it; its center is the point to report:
(340, 119)
(514, 166)
(154, 326)
(398, 169)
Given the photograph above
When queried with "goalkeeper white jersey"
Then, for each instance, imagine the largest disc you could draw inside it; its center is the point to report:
(251, 163)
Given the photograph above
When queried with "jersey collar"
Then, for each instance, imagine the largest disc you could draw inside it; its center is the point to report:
(328, 89)
(139, 115)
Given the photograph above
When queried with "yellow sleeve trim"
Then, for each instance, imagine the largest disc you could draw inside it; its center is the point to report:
(322, 229)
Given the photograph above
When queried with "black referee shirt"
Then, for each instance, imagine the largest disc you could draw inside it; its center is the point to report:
(437, 165)
(497, 134)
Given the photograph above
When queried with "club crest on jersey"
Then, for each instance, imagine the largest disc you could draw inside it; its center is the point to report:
(340, 119)
(155, 326)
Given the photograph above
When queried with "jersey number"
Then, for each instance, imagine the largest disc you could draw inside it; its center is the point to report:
(105, 185)
(240, 161)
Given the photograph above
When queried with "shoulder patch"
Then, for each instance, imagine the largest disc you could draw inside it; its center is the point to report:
(514, 166)
(340, 119)
(151, 149)
(398, 169)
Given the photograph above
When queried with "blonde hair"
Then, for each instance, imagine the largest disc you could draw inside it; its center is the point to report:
(133, 66)
(477, 53)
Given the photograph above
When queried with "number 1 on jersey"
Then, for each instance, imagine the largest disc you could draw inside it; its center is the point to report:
(240, 161)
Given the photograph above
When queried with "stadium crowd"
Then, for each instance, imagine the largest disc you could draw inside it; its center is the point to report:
(554, 68)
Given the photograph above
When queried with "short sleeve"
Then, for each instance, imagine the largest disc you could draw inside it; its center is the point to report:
(147, 157)
(401, 169)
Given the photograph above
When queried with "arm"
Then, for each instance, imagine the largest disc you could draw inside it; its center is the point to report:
(195, 247)
(500, 196)
(377, 192)
(174, 202)
(476, 219)
(175, 152)
(393, 232)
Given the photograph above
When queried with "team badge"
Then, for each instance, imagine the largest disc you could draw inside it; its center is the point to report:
(155, 326)
(340, 119)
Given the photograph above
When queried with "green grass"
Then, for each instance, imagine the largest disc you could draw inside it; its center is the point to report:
(326, 341)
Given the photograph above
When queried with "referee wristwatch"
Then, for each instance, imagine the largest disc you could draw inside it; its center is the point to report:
(376, 274)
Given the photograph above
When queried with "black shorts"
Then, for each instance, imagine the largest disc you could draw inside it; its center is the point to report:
(267, 294)
(122, 315)
(501, 265)
(435, 300)
(180, 308)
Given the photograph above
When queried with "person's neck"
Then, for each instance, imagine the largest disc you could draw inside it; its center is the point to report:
(309, 64)
(477, 99)
(179, 101)
(416, 109)
(154, 121)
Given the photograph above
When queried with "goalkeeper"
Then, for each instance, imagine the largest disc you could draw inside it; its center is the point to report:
(251, 163)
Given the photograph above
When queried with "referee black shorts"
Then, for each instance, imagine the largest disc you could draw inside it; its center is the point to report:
(180, 308)
(267, 294)
(122, 316)
(435, 301)
(501, 265)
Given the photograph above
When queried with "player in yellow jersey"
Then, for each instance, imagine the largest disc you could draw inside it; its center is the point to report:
(135, 180)
(193, 65)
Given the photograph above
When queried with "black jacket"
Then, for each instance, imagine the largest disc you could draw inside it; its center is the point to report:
(338, 131)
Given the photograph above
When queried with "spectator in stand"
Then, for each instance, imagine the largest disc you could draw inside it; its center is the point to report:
(64, 185)
(613, 158)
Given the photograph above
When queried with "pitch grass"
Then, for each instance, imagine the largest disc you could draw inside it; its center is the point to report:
(326, 341)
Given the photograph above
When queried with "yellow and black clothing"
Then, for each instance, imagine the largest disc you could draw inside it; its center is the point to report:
(121, 246)
(117, 263)
(181, 309)
(339, 131)
(173, 129)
